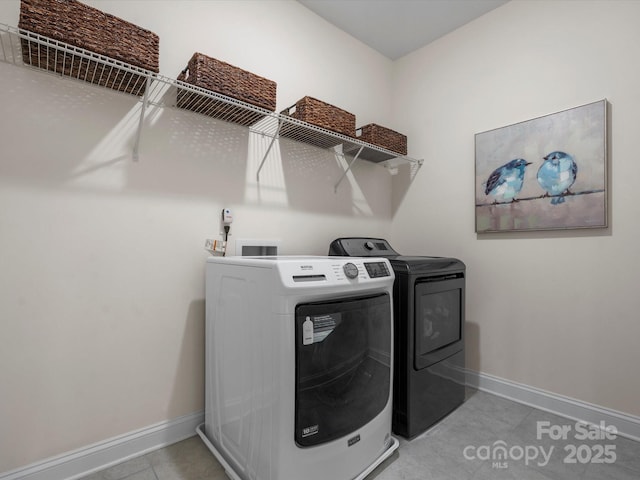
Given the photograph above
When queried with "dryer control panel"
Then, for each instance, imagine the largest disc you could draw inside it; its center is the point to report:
(361, 247)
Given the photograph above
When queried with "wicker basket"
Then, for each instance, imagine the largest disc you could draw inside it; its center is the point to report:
(321, 114)
(383, 137)
(221, 77)
(80, 25)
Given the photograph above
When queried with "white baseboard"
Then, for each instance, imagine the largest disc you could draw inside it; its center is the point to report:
(81, 462)
(627, 425)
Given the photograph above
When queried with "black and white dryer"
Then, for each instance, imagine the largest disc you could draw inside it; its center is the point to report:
(429, 316)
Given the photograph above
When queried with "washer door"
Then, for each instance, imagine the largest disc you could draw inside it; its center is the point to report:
(343, 366)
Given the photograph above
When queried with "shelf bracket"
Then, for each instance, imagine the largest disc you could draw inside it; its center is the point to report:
(145, 100)
(266, 154)
(335, 187)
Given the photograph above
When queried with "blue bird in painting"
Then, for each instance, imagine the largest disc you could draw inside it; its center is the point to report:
(506, 181)
(556, 175)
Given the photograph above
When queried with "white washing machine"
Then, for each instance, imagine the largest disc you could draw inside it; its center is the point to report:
(299, 366)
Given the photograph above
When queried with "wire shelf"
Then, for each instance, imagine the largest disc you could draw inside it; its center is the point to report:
(28, 49)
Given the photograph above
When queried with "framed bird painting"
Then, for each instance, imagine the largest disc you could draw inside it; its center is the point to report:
(544, 174)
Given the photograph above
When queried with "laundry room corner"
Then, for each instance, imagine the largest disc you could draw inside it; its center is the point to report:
(551, 310)
(105, 212)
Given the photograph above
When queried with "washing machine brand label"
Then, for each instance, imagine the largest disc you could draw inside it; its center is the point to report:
(308, 431)
(353, 440)
(324, 325)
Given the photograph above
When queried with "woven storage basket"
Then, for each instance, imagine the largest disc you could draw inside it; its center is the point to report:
(80, 25)
(383, 137)
(321, 114)
(231, 81)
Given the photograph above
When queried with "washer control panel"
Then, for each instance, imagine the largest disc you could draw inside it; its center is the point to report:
(361, 269)
(376, 269)
(315, 272)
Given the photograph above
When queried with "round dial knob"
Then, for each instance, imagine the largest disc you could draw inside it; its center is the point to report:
(350, 270)
(368, 245)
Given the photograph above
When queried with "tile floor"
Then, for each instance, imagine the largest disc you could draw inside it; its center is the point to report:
(439, 454)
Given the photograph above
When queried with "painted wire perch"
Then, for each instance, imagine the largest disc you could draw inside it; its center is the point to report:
(544, 195)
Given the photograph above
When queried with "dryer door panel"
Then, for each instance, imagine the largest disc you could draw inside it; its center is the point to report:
(343, 366)
(439, 319)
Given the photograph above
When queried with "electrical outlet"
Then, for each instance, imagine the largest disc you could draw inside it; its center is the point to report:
(227, 216)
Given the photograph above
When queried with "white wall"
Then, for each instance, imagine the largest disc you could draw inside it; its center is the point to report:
(102, 259)
(553, 310)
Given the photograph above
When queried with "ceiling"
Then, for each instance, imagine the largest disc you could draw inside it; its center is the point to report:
(398, 27)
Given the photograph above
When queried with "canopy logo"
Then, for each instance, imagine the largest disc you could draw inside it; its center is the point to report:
(584, 450)
(499, 453)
